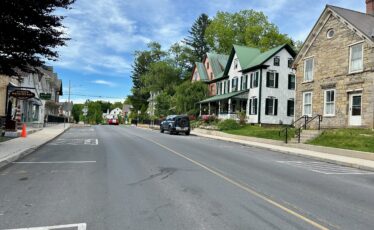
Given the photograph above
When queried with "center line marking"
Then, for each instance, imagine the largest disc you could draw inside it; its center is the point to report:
(53, 162)
(245, 188)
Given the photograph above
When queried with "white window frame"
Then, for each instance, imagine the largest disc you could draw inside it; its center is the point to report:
(273, 106)
(312, 77)
(325, 103)
(362, 57)
(251, 109)
(311, 103)
(274, 73)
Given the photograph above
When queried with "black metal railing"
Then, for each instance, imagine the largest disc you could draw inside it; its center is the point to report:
(285, 130)
(298, 131)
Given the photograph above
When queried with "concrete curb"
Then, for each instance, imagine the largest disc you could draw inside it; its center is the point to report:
(19, 155)
(337, 162)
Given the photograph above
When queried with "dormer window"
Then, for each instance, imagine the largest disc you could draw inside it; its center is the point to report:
(290, 62)
(276, 61)
(235, 63)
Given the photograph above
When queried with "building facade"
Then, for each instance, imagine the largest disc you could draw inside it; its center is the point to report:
(335, 69)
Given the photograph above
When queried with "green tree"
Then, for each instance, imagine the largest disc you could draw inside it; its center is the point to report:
(246, 27)
(142, 62)
(197, 39)
(162, 76)
(95, 113)
(182, 57)
(77, 111)
(187, 95)
(30, 32)
(116, 104)
(164, 105)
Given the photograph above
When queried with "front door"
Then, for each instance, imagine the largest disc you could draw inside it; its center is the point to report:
(355, 109)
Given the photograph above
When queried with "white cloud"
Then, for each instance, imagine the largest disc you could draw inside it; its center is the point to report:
(104, 82)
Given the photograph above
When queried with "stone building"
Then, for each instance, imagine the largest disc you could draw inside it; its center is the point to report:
(335, 69)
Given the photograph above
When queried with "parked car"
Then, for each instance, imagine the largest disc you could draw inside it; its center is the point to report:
(176, 124)
(113, 121)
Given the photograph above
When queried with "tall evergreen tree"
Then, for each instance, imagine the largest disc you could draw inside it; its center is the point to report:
(197, 39)
(30, 32)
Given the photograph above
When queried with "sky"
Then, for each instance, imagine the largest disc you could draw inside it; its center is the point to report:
(106, 33)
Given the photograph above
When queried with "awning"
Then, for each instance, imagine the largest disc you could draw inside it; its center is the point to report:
(35, 101)
(223, 96)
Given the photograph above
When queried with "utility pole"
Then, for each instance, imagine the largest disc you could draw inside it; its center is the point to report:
(69, 102)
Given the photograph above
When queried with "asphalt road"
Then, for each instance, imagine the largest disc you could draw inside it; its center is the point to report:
(129, 178)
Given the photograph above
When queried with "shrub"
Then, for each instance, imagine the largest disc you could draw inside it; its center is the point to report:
(228, 124)
(242, 117)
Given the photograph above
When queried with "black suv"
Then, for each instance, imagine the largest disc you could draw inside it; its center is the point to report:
(176, 124)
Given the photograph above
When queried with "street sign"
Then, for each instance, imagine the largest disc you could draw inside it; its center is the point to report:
(45, 96)
(22, 94)
(67, 106)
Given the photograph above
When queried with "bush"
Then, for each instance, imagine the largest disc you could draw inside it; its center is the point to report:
(228, 124)
(209, 119)
(242, 117)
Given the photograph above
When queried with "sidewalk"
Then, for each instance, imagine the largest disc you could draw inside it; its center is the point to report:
(18, 147)
(356, 159)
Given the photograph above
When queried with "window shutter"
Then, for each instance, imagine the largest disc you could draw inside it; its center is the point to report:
(255, 103)
(251, 80)
(246, 82)
(267, 78)
(276, 80)
(237, 84)
(266, 106)
(289, 81)
(288, 106)
(275, 107)
(256, 79)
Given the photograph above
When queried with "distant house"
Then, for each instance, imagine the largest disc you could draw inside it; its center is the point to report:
(335, 69)
(260, 84)
(210, 68)
(113, 114)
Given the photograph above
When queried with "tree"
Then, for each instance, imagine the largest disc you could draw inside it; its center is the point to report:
(142, 62)
(162, 76)
(94, 114)
(164, 105)
(183, 58)
(77, 111)
(29, 33)
(197, 39)
(116, 104)
(187, 96)
(246, 27)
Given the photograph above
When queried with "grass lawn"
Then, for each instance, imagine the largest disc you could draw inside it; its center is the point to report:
(355, 139)
(261, 132)
(4, 138)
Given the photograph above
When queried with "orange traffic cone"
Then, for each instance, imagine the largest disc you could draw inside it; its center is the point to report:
(24, 133)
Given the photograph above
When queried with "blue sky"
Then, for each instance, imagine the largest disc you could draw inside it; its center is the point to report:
(105, 33)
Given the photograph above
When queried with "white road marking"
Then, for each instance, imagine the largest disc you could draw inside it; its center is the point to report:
(53, 162)
(326, 168)
(75, 142)
(81, 226)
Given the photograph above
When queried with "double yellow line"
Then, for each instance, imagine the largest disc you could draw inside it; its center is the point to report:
(245, 188)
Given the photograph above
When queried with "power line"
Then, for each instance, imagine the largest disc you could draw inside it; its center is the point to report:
(83, 95)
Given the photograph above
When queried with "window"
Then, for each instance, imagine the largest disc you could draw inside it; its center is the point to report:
(234, 84)
(276, 61)
(291, 81)
(329, 108)
(272, 79)
(290, 107)
(330, 33)
(271, 106)
(290, 62)
(254, 80)
(235, 63)
(356, 58)
(241, 83)
(307, 103)
(308, 69)
(244, 82)
(253, 106)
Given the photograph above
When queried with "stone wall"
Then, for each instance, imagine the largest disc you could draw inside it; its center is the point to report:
(331, 70)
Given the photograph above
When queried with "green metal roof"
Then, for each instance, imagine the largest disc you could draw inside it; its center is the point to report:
(202, 72)
(263, 57)
(222, 96)
(217, 62)
(246, 54)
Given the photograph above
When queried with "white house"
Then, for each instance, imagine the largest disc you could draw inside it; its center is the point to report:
(260, 83)
(113, 114)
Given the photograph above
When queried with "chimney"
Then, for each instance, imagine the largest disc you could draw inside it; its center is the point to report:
(370, 7)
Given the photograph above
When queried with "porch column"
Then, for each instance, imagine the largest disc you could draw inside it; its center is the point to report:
(229, 107)
(200, 110)
(209, 108)
(219, 108)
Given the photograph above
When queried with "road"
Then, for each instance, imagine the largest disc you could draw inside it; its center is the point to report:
(116, 177)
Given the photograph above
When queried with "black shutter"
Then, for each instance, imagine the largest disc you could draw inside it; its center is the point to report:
(267, 79)
(276, 80)
(256, 79)
(250, 83)
(246, 82)
(267, 101)
(255, 103)
(275, 107)
(237, 84)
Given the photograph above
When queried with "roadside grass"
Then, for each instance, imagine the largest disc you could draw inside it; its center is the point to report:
(354, 139)
(262, 132)
(2, 138)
